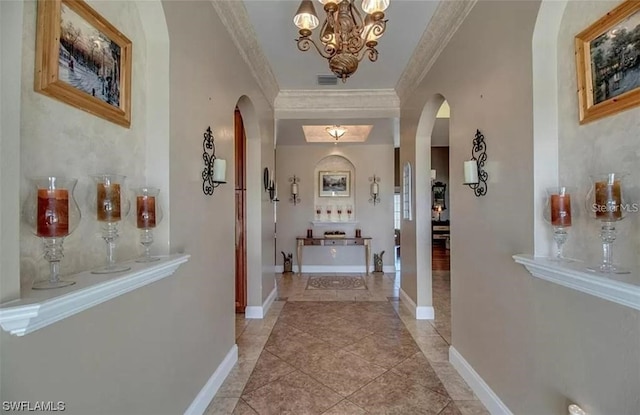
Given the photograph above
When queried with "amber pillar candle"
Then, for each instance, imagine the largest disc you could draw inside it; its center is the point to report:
(53, 213)
(146, 212)
(108, 202)
(608, 200)
(561, 210)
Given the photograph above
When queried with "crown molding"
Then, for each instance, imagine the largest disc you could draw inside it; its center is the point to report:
(443, 25)
(235, 19)
(354, 103)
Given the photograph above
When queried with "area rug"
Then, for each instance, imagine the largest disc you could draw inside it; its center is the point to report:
(336, 282)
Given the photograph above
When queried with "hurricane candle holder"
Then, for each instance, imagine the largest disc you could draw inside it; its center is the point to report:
(107, 199)
(349, 212)
(318, 212)
(339, 212)
(328, 209)
(605, 204)
(558, 214)
(51, 212)
(148, 216)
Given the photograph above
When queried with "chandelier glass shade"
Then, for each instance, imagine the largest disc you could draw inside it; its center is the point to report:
(336, 131)
(345, 36)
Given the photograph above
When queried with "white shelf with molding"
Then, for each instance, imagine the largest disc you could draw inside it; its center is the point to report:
(333, 223)
(40, 308)
(622, 289)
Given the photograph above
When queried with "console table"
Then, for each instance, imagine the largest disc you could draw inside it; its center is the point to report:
(301, 242)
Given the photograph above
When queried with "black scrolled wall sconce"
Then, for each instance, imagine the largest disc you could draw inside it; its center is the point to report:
(215, 169)
(375, 190)
(295, 199)
(475, 176)
(269, 185)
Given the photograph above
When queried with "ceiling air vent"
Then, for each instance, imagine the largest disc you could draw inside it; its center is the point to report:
(327, 80)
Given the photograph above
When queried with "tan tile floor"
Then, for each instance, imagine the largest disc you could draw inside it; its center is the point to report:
(342, 352)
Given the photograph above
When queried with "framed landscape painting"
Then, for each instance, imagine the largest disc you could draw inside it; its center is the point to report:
(83, 60)
(334, 183)
(608, 63)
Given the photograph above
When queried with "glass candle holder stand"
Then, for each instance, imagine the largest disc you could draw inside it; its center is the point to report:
(52, 213)
(110, 206)
(148, 216)
(558, 214)
(606, 204)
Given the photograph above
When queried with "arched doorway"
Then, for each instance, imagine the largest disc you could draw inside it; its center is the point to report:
(254, 211)
(240, 145)
(423, 208)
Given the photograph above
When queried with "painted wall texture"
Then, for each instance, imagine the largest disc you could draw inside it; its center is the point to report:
(539, 346)
(151, 350)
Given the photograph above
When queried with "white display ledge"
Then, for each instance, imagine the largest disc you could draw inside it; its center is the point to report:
(40, 308)
(623, 289)
(333, 223)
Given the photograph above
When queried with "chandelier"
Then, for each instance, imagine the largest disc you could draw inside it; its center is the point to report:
(345, 36)
(336, 131)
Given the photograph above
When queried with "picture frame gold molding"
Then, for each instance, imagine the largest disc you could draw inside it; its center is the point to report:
(47, 82)
(588, 111)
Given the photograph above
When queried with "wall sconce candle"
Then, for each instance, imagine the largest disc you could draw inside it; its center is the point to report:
(294, 189)
(475, 176)
(433, 175)
(375, 190)
(215, 170)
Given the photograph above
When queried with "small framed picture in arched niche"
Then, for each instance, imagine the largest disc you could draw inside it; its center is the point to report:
(334, 183)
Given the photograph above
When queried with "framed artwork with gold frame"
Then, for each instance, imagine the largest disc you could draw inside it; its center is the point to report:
(83, 60)
(608, 63)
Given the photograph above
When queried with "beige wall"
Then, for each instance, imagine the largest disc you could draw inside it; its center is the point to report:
(537, 345)
(151, 350)
(375, 221)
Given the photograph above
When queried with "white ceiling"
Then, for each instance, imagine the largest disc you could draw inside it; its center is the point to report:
(273, 23)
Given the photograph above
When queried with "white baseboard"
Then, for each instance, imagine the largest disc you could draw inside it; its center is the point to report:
(315, 269)
(206, 394)
(425, 313)
(422, 312)
(261, 311)
(490, 400)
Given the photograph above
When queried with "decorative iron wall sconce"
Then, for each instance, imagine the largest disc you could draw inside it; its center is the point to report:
(215, 170)
(270, 185)
(375, 190)
(475, 176)
(295, 199)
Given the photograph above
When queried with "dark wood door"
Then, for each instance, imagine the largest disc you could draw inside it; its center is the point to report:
(241, 210)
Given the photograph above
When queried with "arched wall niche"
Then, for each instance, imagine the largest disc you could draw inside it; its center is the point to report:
(335, 164)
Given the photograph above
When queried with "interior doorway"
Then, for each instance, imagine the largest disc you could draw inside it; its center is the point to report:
(441, 223)
(240, 144)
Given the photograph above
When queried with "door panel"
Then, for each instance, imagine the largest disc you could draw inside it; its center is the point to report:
(241, 210)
